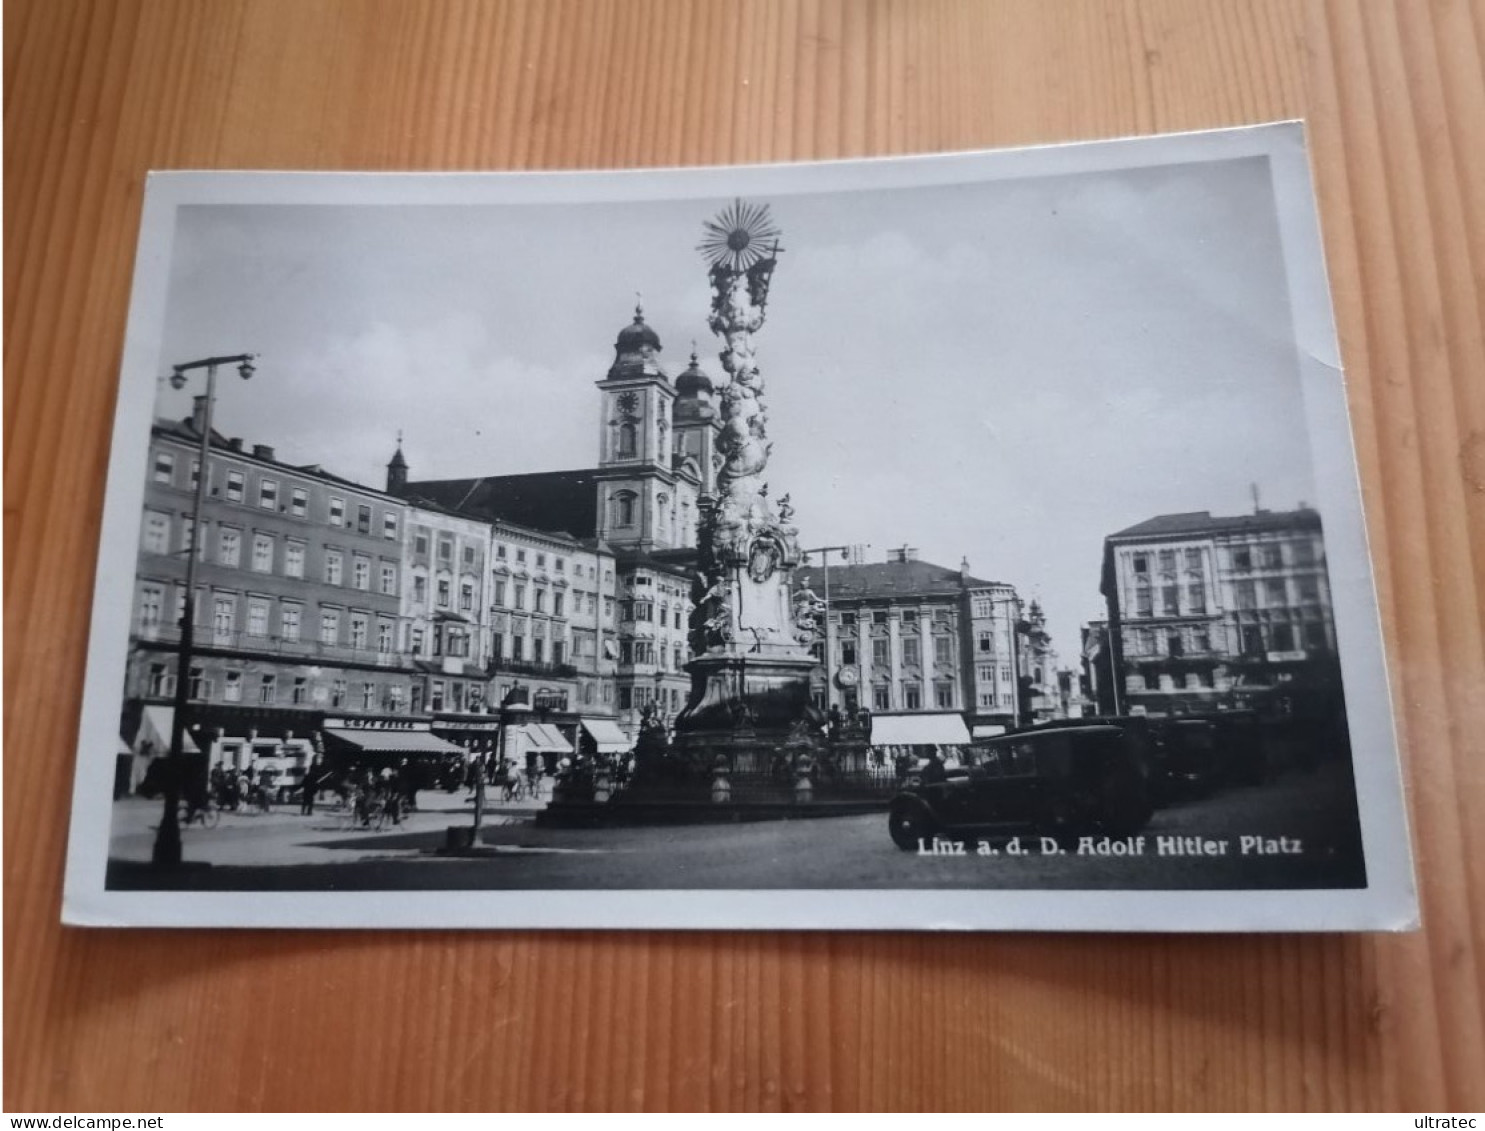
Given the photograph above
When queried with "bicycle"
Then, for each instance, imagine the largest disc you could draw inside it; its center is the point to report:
(366, 809)
(386, 807)
(513, 789)
(208, 816)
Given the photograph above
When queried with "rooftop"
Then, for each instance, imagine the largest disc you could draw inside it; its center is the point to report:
(893, 580)
(1204, 522)
(183, 431)
(554, 501)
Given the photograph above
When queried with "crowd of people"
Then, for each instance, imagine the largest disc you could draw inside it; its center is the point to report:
(389, 793)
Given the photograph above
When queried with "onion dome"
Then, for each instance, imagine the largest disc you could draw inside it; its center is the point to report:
(693, 381)
(635, 350)
(637, 334)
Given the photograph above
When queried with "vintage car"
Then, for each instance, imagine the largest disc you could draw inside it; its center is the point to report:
(1059, 781)
(1188, 760)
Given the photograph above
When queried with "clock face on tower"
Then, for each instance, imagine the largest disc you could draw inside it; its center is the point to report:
(628, 403)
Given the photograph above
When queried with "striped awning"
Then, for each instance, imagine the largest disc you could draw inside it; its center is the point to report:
(607, 736)
(543, 736)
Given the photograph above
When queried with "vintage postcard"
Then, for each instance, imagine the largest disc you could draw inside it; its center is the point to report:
(918, 543)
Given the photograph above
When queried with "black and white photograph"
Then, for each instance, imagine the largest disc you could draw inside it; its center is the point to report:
(961, 542)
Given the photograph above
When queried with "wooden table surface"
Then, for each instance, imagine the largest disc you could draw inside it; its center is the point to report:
(97, 93)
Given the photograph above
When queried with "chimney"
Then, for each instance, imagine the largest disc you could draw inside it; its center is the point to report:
(963, 571)
(198, 414)
(263, 451)
(235, 443)
(903, 553)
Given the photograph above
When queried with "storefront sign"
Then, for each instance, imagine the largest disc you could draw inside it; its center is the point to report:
(378, 724)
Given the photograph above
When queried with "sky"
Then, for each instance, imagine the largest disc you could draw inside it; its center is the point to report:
(1004, 372)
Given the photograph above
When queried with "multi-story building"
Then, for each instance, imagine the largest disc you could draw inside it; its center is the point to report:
(654, 604)
(445, 630)
(542, 612)
(1207, 611)
(298, 601)
(909, 637)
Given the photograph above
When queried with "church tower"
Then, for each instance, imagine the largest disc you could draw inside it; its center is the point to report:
(696, 426)
(636, 477)
(397, 470)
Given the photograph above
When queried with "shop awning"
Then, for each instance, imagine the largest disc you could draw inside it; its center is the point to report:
(918, 730)
(606, 734)
(154, 728)
(393, 741)
(544, 736)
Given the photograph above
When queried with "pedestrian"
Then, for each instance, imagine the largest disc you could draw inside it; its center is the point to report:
(312, 778)
(408, 773)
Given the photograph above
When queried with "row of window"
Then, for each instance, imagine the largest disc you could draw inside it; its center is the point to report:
(559, 564)
(447, 640)
(468, 554)
(1264, 555)
(650, 652)
(1170, 596)
(334, 627)
(1180, 642)
(986, 673)
(541, 650)
(539, 595)
(444, 588)
(1166, 681)
(270, 688)
(268, 495)
(635, 698)
(635, 610)
(1253, 639)
(912, 696)
(263, 554)
(1274, 592)
(911, 646)
(879, 618)
(982, 607)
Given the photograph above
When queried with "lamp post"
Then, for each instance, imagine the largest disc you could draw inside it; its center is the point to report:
(167, 851)
(825, 552)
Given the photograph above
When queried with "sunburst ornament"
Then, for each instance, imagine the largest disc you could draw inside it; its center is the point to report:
(741, 236)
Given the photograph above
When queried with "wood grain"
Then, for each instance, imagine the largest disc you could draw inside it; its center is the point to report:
(97, 93)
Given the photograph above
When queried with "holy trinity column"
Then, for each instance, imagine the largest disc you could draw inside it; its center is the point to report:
(750, 697)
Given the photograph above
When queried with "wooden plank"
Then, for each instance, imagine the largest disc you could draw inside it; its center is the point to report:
(99, 92)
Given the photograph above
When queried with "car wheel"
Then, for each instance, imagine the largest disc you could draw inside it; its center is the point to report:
(909, 824)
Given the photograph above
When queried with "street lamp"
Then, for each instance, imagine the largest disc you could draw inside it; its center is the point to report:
(167, 851)
(825, 552)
